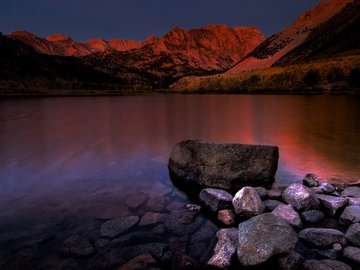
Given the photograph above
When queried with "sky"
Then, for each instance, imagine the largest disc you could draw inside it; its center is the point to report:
(137, 19)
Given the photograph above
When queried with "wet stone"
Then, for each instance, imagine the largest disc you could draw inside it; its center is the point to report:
(178, 244)
(133, 201)
(331, 254)
(331, 204)
(215, 199)
(290, 261)
(77, 246)
(353, 192)
(274, 194)
(325, 265)
(287, 213)
(322, 238)
(327, 188)
(247, 202)
(353, 234)
(312, 216)
(261, 191)
(270, 205)
(141, 262)
(151, 218)
(114, 227)
(353, 201)
(156, 204)
(311, 180)
(352, 254)
(182, 222)
(351, 214)
(300, 197)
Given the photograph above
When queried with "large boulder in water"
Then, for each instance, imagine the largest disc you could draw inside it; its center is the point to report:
(223, 166)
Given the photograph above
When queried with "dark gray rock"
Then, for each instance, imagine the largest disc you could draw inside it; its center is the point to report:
(325, 265)
(270, 205)
(134, 200)
(353, 234)
(247, 202)
(312, 216)
(290, 261)
(352, 254)
(331, 204)
(274, 194)
(322, 238)
(152, 218)
(223, 166)
(353, 201)
(102, 242)
(331, 254)
(311, 180)
(114, 227)
(316, 190)
(262, 237)
(300, 197)
(155, 249)
(215, 199)
(225, 248)
(193, 208)
(140, 262)
(261, 191)
(77, 246)
(181, 222)
(351, 214)
(287, 213)
(227, 217)
(327, 188)
(353, 192)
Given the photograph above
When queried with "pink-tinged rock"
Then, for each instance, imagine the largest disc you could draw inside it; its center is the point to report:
(353, 234)
(300, 197)
(331, 204)
(290, 261)
(227, 217)
(351, 214)
(247, 202)
(287, 213)
(225, 248)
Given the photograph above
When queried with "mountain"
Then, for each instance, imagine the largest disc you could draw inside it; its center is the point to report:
(202, 51)
(61, 45)
(313, 31)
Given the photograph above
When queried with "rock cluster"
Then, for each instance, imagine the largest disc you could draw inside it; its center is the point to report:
(289, 227)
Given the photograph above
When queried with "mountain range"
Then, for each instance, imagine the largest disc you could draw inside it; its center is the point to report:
(179, 57)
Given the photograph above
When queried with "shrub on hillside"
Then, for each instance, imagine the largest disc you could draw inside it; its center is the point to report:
(335, 74)
(354, 77)
(312, 77)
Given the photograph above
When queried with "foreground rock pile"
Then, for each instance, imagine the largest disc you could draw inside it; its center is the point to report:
(302, 226)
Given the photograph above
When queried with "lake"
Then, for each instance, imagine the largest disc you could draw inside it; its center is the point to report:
(68, 164)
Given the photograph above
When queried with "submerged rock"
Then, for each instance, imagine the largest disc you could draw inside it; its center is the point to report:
(140, 262)
(77, 246)
(223, 166)
(262, 237)
(300, 197)
(247, 202)
(114, 227)
(152, 218)
(215, 199)
(225, 248)
(319, 237)
(182, 222)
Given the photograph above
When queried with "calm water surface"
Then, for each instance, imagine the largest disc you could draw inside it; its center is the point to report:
(67, 160)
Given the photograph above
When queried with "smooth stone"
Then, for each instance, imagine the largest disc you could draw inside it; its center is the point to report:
(351, 214)
(227, 217)
(152, 218)
(178, 244)
(290, 261)
(225, 248)
(102, 242)
(331, 223)
(331, 254)
(325, 265)
(300, 197)
(327, 188)
(311, 180)
(353, 234)
(353, 201)
(223, 166)
(316, 190)
(262, 237)
(331, 204)
(261, 191)
(133, 201)
(181, 222)
(215, 199)
(287, 213)
(322, 238)
(352, 254)
(270, 205)
(312, 216)
(353, 192)
(155, 249)
(114, 227)
(140, 262)
(156, 204)
(274, 194)
(77, 246)
(247, 202)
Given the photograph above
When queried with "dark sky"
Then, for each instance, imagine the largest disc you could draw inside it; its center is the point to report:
(136, 19)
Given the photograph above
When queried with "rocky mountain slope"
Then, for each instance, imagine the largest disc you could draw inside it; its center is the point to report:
(311, 31)
(207, 50)
(61, 45)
